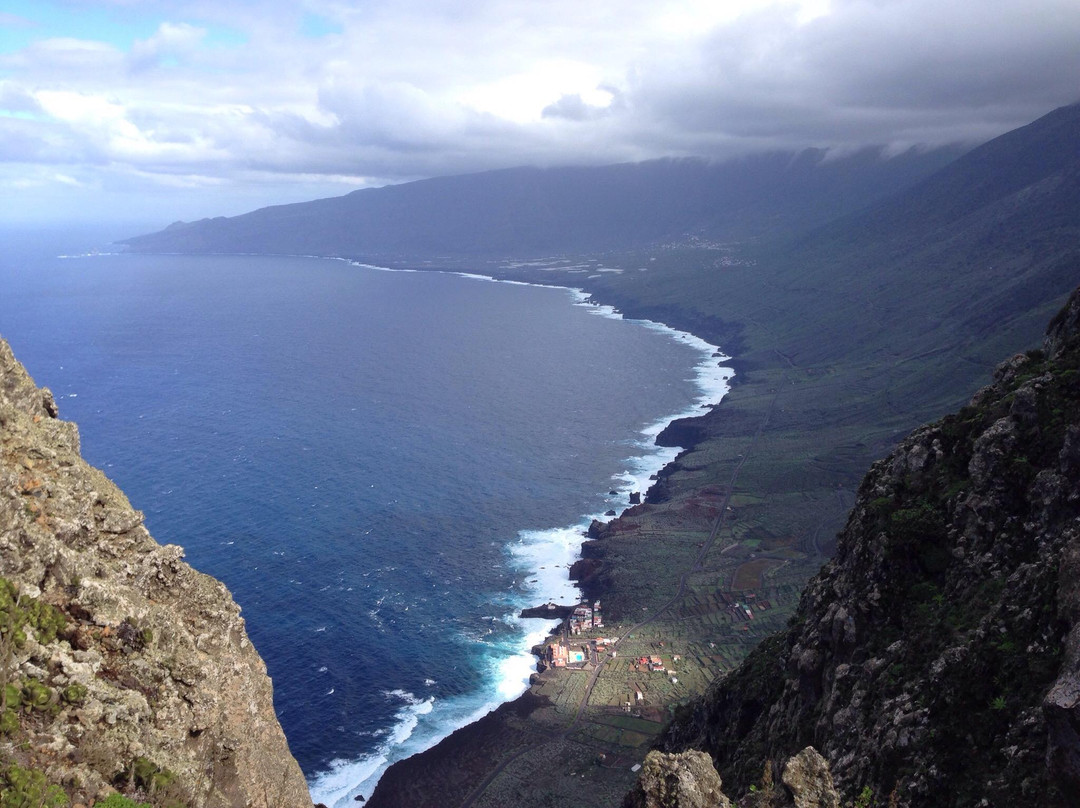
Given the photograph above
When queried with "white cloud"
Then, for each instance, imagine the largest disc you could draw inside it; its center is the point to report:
(421, 87)
(62, 59)
(522, 97)
(171, 41)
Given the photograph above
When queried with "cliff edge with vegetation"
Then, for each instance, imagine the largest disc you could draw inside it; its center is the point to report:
(122, 669)
(936, 660)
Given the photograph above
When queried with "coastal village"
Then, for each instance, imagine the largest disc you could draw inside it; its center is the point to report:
(631, 676)
(618, 665)
(674, 594)
(577, 644)
(561, 654)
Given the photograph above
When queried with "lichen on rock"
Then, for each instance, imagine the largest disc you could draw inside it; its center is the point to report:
(148, 683)
(685, 780)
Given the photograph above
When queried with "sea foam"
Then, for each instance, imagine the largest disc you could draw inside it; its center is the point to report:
(542, 557)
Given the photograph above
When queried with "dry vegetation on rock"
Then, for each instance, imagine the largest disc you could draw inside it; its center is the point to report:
(124, 669)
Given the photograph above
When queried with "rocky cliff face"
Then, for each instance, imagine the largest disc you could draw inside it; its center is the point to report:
(936, 660)
(123, 668)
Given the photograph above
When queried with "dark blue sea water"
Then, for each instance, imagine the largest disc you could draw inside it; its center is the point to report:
(383, 467)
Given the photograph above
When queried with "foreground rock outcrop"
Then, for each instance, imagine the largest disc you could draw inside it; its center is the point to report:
(685, 780)
(690, 780)
(123, 668)
(936, 660)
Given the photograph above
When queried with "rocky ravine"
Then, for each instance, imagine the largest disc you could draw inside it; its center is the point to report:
(138, 674)
(936, 660)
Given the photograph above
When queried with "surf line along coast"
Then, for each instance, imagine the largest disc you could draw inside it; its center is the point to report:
(465, 765)
(560, 703)
(544, 554)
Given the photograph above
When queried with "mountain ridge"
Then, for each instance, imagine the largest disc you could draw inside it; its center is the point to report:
(534, 211)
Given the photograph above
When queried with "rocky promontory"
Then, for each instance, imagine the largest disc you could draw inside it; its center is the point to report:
(549, 611)
(122, 668)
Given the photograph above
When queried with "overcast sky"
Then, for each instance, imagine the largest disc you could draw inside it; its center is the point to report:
(167, 109)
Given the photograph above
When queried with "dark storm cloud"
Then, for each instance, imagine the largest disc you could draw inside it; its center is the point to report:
(869, 73)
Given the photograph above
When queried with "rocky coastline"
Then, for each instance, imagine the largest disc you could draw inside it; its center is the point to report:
(520, 727)
(614, 556)
(461, 764)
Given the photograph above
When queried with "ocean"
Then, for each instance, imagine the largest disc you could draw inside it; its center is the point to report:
(384, 467)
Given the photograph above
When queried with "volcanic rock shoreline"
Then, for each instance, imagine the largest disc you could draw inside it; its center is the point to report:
(461, 761)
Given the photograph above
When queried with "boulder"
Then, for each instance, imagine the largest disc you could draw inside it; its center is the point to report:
(685, 780)
(809, 780)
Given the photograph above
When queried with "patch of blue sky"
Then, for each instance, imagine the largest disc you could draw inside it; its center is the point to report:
(316, 26)
(45, 20)
(26, 21)
(22, 115)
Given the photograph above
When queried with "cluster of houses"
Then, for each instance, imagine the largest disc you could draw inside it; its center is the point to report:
(562, 655)
(653, 663)
(585, 618)
(743, 610)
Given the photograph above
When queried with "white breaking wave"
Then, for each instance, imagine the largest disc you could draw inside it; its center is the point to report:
(346, 779)
(543, 558)
(422, 723)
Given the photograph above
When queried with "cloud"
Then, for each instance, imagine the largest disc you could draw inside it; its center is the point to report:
(389, 91)
(573, 107)
(15, 21)
(869, 72)
(16, 99)
(170, 43)
(396, 115)
(60, 58)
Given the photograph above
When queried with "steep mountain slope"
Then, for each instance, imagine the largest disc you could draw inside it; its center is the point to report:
(994, 235)
(1004, 217)
(938, 654)
(886, 318)
(529, 211)
(121, 667)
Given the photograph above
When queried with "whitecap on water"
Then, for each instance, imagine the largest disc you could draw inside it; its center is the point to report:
(542, 558)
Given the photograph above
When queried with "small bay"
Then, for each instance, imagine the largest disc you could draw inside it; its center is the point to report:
(383, 467)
